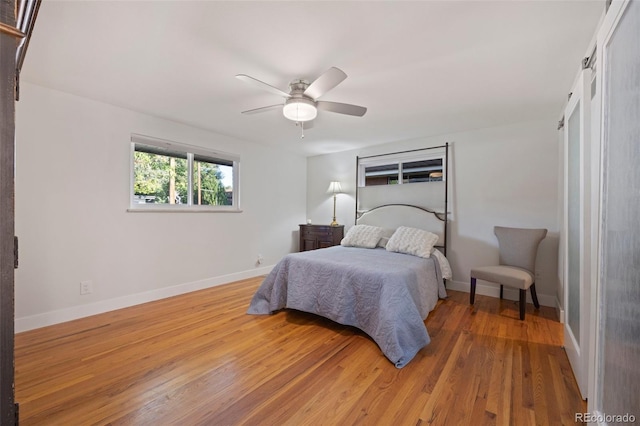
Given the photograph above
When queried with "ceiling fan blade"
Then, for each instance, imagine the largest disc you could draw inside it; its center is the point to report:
(327, 81)
(341, 108)
(262, 109)
(262, 85)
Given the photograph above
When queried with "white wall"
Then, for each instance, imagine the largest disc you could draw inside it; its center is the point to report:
(72, 193)
(499, 176)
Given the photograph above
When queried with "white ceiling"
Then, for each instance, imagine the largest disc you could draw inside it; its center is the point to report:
(421, 68)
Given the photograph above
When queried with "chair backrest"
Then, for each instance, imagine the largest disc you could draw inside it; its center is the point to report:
(518, 246)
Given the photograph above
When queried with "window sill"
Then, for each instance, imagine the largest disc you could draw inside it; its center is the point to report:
(182, 210)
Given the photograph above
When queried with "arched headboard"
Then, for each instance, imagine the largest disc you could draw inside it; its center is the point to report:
(391, 216)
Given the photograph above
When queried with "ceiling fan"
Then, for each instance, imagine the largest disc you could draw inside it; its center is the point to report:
(301, 103)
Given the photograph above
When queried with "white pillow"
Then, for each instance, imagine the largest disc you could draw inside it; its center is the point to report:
(384, 238)
(365, 236)
(412, 241)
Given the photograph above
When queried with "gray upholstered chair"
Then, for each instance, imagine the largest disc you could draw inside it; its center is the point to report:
(518, 248)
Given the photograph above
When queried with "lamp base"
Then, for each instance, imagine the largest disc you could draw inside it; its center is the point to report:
(334, 223)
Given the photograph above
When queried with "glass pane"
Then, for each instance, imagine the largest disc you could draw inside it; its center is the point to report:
(159, 178)
(422, 171)
(619, 344)
(573, 219)
(381, 175)
(212, 183)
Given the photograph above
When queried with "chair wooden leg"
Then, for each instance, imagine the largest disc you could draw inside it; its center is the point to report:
(472, 293)
(534, 296)
(501, 290)
(523, 303)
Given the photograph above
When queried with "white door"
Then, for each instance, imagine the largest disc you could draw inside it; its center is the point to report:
(616, 369)
(576, 221)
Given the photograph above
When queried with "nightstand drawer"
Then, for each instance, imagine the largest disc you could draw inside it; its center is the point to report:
(320, 232)
(320, 236)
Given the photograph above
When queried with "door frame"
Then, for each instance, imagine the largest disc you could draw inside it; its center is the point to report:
(8, 46)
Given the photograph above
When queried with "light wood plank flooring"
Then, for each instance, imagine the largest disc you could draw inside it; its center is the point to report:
(198, 359)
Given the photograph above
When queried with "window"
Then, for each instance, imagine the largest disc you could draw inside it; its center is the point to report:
(209, 188)
(402, 168)
(170, 176)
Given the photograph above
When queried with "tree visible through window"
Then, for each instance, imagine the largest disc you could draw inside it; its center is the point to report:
(208, 183)
(160, 179)
(171, 176)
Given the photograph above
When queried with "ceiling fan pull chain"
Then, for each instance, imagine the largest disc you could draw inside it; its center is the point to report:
(302, 129)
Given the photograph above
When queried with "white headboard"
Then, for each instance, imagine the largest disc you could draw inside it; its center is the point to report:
(391, 216)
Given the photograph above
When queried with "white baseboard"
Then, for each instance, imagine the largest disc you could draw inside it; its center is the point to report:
(494, 291)
(560, 311)
(81, 311)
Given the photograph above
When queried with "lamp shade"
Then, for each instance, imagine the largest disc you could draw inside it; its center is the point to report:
(334, 188)
(300, 109)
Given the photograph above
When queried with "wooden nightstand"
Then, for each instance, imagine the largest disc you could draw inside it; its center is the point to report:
(320, 236)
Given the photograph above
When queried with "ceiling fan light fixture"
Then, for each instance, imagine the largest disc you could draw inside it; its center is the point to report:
(300, 109)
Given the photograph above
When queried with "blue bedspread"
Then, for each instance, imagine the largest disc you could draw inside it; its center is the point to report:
(387, 295)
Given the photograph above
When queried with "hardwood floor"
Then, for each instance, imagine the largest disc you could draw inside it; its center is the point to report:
(198, 359)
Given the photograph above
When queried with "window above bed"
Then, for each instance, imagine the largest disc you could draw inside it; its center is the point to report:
(402, 168)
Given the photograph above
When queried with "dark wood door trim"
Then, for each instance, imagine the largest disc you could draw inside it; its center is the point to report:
(8, 46)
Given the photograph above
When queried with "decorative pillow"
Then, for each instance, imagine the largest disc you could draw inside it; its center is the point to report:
(412, 241)
(384, 239)
(445, 267)
(365, 236)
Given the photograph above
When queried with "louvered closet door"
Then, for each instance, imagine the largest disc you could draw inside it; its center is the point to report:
(618, 341)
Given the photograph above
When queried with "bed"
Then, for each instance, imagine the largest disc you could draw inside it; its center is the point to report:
(387, 294)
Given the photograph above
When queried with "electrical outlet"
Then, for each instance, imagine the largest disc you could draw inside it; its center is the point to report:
(86, 287)
(260, 259)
